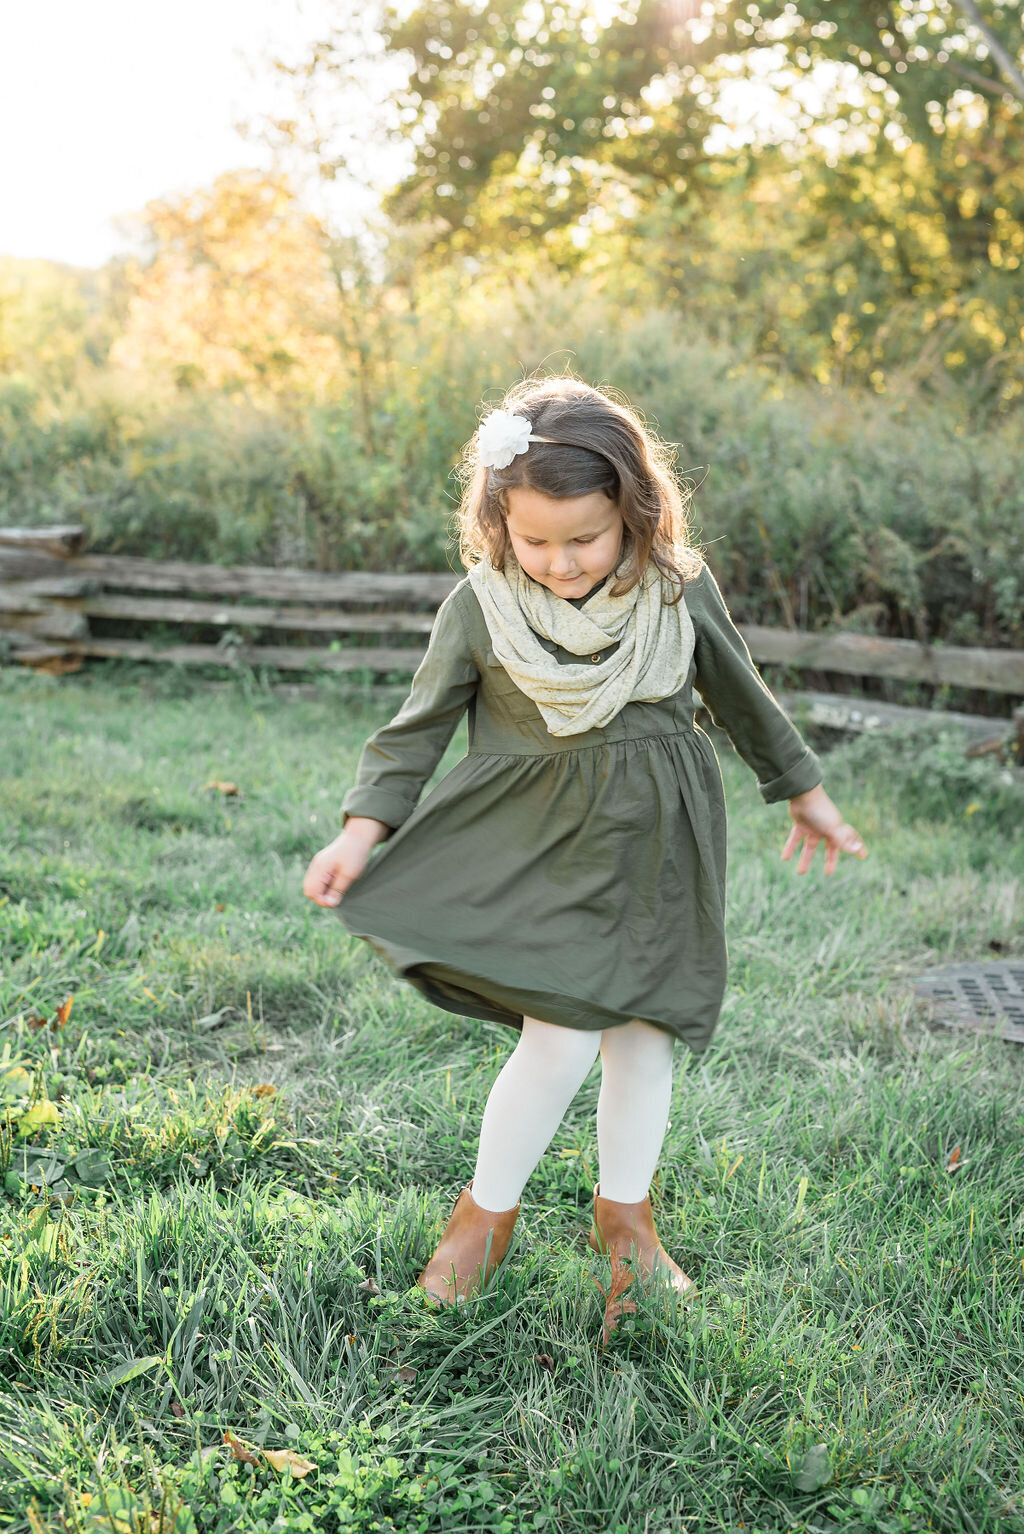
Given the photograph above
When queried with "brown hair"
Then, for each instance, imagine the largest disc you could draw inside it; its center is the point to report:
(599, 444)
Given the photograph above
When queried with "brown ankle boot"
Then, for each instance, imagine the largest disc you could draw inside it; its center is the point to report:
(464, 1249)
(620, 1227)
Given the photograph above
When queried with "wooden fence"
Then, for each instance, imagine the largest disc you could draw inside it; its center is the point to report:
(50, 589)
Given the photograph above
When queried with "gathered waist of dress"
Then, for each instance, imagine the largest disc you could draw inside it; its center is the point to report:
(643, 723)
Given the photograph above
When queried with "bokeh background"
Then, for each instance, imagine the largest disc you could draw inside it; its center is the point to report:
(791, 233)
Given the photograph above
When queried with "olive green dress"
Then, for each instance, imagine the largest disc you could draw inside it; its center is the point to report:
(579, 879)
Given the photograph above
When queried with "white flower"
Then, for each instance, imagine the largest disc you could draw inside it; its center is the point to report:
(500, 437)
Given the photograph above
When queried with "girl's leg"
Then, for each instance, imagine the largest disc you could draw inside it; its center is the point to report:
(525, 1106)
(632, 1108)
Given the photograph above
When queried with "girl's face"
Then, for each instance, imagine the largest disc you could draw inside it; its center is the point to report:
(566, 545)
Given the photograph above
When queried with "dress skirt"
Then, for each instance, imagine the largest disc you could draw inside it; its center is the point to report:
(579, 880)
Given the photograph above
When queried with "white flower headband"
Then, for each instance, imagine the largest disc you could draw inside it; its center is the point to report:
(502, 436)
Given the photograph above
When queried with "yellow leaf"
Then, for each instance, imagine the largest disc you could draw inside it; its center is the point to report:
(279, 1458)
(15, 1082)
(42, 1113)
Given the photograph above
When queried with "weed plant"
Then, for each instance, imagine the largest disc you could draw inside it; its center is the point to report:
(231, 1141)
(820, 506)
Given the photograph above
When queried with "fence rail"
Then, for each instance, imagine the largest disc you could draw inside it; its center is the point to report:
(50, 590)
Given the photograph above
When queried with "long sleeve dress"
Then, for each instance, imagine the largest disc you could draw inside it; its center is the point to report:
(579, 880)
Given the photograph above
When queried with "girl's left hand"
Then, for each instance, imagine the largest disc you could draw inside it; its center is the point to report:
(818, 819)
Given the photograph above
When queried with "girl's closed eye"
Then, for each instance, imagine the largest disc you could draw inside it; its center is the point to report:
(536, 543)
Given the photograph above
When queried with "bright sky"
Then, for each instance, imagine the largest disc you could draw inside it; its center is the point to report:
(108, 104)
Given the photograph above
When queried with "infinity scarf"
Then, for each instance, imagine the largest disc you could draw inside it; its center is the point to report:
(655, 644)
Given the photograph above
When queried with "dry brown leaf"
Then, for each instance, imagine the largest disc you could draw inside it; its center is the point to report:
(60, 1017)
(405, 1373)
(615, 1306)
(280, 1458)
(238, 1449)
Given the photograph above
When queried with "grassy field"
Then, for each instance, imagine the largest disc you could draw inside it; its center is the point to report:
(254, 1137)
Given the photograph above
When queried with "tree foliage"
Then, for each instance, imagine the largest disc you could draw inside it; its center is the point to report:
(881, 227)
(234, 292)
(528, 118)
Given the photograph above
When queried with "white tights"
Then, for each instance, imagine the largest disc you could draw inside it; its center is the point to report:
(538, 1082)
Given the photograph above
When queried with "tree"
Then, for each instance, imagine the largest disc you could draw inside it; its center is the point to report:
(530, 122)
(234, 291)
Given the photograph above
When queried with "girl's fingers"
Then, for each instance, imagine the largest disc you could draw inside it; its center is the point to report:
(326, 885)
(807, 856)
(843, 839)
(846, 840)
(855, 845)
(792, 842)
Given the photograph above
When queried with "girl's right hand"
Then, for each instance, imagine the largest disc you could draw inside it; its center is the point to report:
(340, 864)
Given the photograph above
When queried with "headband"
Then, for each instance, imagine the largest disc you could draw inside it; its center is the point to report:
(502, 436)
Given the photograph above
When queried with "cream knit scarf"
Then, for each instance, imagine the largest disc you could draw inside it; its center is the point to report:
(652, 661)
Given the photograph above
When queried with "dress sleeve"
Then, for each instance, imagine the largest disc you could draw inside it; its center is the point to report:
(398, 758)
(739, 702)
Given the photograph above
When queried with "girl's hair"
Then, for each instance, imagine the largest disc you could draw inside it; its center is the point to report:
(599, 445)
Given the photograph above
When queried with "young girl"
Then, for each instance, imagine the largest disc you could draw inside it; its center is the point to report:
(568, 875)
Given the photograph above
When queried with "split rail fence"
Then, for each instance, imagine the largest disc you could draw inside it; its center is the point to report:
(51, 591)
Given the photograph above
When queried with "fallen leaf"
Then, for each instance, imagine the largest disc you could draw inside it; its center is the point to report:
(282, 1458)
(815, 1470)
(35, 1164)
(92, 1167)
(43, 1112)
(615, 1307)
(238, 1449)
(405, 1374)
(15, 1082)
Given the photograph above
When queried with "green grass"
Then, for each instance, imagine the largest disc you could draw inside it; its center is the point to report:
(278, 1131)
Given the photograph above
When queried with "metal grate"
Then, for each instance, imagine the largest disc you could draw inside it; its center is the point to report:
(978, 998)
